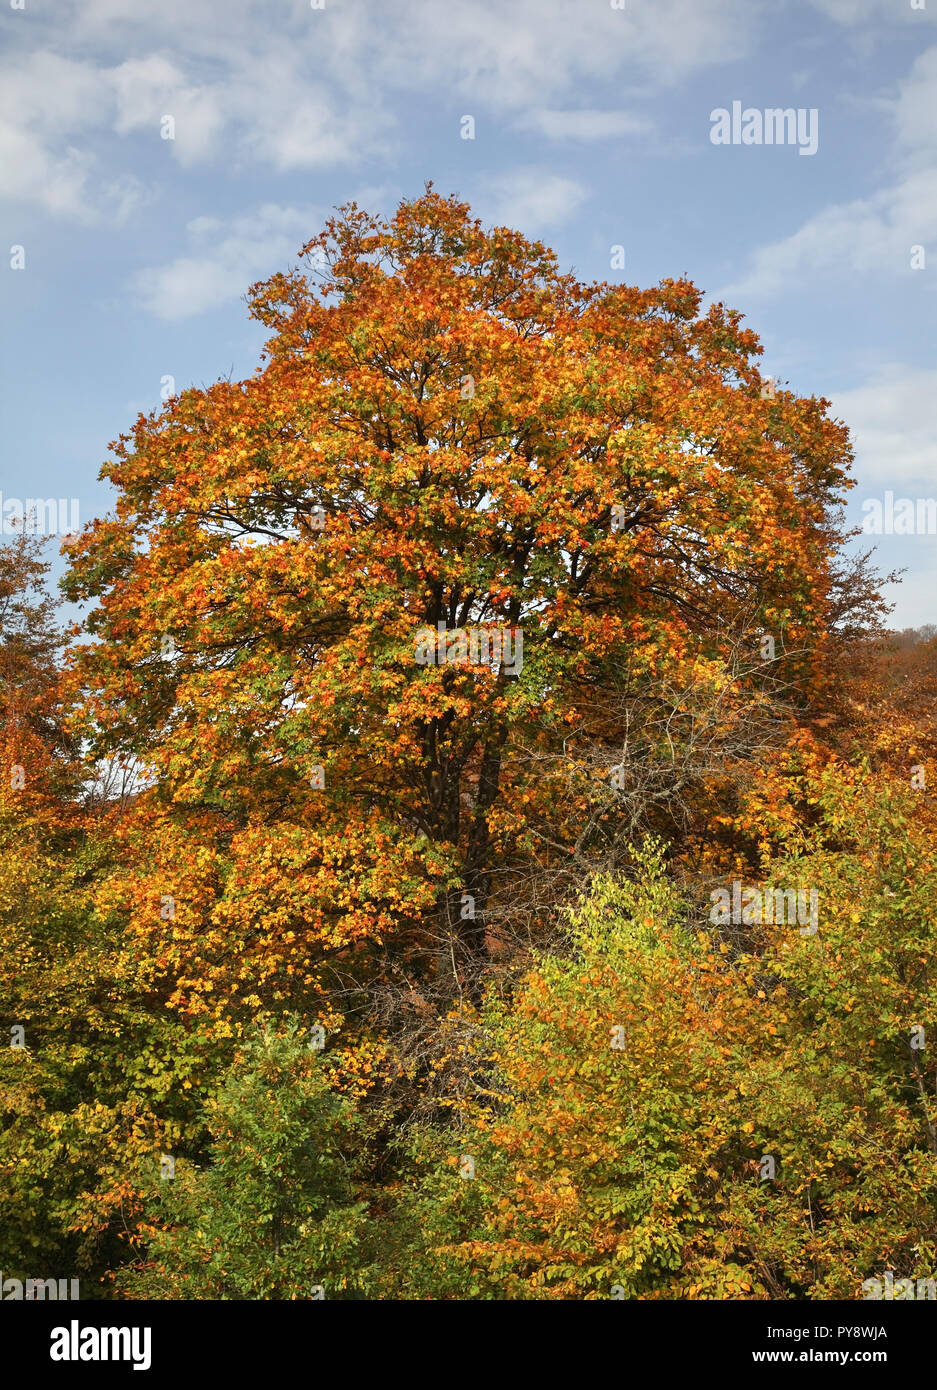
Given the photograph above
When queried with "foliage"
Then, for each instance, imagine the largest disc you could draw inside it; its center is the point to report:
(245, 809)
(641, 1165)
(272, 1215)
(446, 431)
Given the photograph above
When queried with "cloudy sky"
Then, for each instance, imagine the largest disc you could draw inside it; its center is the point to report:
(592, 125)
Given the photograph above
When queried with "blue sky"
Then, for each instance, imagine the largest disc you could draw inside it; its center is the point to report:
(592, 129)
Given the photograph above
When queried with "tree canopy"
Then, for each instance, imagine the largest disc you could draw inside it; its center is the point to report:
(360, 851)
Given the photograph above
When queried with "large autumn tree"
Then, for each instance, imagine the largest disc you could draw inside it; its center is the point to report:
(445, 430)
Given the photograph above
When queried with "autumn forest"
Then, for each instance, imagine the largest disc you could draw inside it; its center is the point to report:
(477, 841)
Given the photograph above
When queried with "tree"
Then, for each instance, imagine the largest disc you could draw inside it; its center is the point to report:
(273, 1214)
(94, 1074)
(34, 739)
(674, 1110)
(447, 434)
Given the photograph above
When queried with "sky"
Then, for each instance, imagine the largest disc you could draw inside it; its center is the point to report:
(158, 158)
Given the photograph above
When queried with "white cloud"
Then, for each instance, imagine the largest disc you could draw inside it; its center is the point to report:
(41, 97)
(124, 195)
(584, 124)
(853, 12)
(522, 54)
(915, 110)
(508, 55)
(914, 598)
(31, 172)
(52, 111)
(529, 199)
(306, 125)
(224, 259)
(54, 94)
(891, 419)
(868, 235)
(293, 88)
(255, 107)
(274, 116)
(148, 89)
